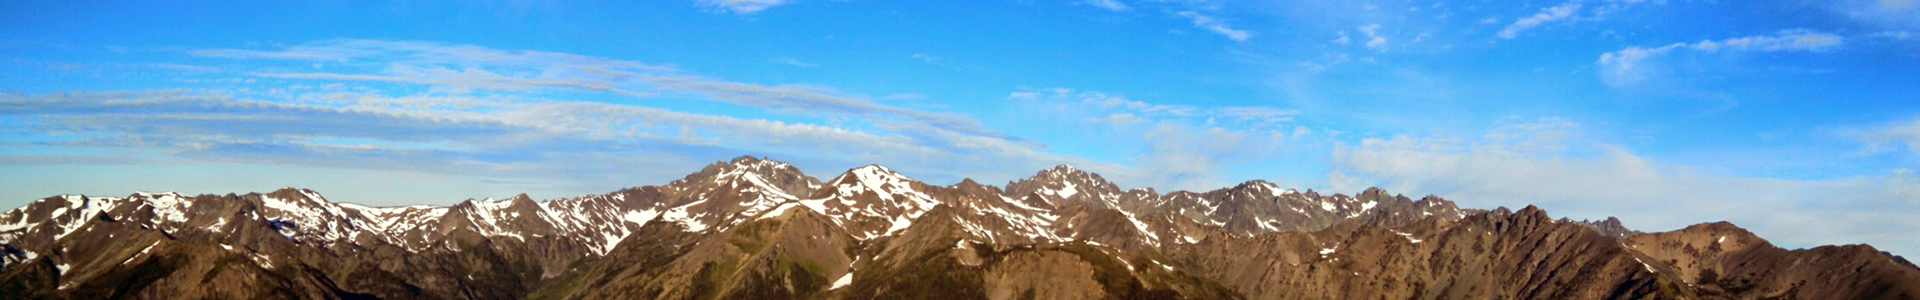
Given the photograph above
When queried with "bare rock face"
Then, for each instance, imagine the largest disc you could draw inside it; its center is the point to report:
(1610, 227)
(752, 228)
(1725, 261)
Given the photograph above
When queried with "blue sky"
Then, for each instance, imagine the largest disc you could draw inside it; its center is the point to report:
(1797, 119)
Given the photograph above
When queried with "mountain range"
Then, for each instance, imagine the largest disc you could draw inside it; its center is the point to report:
(752, 228)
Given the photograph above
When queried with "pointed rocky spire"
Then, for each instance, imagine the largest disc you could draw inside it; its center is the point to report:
(775, 174)
(1063, 181)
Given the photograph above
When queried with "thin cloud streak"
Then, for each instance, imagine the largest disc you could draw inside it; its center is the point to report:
(1181, 147)
(1510, 167)
(1216, 26)
(1546, 15)
(1635, 64)
(482, 68)
(743, 6)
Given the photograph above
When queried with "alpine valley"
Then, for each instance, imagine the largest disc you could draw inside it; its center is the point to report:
(760, 229)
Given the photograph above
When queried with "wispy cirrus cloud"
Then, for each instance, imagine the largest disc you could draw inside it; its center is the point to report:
(1544, 162)
(1217, 26)
(799, 63)
(456, 134)
(1546, 15)
(513, 115)
(1891, 138)
(743, 6)
(1633, 65)
(1898, 15)
(1250, 115)
(1113, 5)
(1181, 146)
(462, 68)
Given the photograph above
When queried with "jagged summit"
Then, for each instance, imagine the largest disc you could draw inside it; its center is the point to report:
(873, 178)
(1064, 185)
(1263, 186)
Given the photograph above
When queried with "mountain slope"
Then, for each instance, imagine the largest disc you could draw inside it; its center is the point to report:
(751, 228)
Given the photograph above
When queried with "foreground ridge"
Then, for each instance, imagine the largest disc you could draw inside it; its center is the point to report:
(753, 228)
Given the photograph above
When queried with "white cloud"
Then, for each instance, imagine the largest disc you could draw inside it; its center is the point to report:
(743, 6)
(465, 68)
(474, 111)
(1892, 137)
(1550, 14)
(1255, 116)
(936, 60)
(799, 63)
(1885, 14)
(926, 58)
(1633, 64)
(1113, 5)
(1374, 40)
(904, 96)
(1119, 120)
(1216, 26)
(1181, 146)
(1502, 170)
(1189, 158)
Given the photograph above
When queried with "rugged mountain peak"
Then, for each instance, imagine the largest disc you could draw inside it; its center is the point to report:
(1064, 184)
(970, 186)
(967, 182)
(872, 177)
(766, 168)
(1611, 227)
(296, 200)
(769, 177)
(1062, 168)
(1718, 229)
(883, 183)
(1374, 193)
(1264, 188)
(745, 159)
(1532, 213)
(872, 201)
(874, 170)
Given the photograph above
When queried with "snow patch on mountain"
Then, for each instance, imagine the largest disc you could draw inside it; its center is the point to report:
(843, 281)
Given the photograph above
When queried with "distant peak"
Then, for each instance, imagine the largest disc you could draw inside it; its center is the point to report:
(1062, 170)
(872, 168)
(743, 159)
(752, 162)
(765, 168)
(1256, 183)
(153, 194)
(1374, 190)
(1717, 226)
(296, 193)
(873, 171)
(1064, 181)
(1533, 212)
